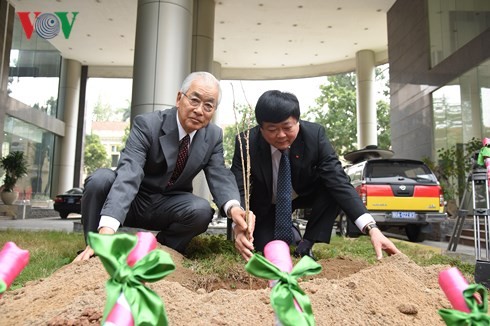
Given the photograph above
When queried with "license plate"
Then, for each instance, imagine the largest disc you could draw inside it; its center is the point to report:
(408, 215)
(70, 200)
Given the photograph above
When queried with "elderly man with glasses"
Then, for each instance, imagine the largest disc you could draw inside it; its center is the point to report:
(151, 187)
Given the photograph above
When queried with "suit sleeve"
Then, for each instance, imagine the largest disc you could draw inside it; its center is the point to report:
(129, 171)
(237, 168)
(220, 180)
(336, 180)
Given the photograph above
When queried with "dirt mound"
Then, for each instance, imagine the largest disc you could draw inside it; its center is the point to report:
(395, 291)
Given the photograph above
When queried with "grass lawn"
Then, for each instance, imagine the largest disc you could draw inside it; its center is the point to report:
(50, 250)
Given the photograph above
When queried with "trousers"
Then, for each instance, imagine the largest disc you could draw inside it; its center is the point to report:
(179, 216)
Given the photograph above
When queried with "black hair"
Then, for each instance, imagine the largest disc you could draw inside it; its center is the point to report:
(275, 106)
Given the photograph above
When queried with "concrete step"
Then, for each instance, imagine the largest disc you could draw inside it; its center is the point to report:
(468, 237)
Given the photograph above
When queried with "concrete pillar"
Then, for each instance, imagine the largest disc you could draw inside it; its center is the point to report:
(63, 168)
(366, 101)
(471, 109)
(216, 71)
(7, 13)
(202, 60)
(203, 36)
(162, 55)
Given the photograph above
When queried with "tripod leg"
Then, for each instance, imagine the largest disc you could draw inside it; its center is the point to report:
(458, 225)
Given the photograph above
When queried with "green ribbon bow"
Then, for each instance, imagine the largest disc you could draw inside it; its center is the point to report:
(3, 286)
(478, 312)
(287, 289)
(146, 306)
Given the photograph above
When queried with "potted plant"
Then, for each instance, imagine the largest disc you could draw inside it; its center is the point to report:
(15, 167)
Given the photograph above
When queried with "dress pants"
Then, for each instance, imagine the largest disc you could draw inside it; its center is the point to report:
(320, 223)
(178, 215)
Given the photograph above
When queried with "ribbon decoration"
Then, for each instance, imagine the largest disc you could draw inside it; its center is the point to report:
(120, 314)
(146, 306)
(287, 290)
(478, 312)
(12, 261)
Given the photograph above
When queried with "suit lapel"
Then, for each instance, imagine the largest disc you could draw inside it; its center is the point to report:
(169, 143)
(197, 152)
(170, 147)
(296, 156)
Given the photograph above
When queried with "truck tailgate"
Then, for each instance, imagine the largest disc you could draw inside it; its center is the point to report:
(403, 198)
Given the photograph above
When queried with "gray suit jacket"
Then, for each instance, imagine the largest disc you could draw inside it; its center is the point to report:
(148, 160)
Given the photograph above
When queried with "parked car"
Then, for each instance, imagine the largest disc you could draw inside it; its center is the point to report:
(68, 202)
(400, 193)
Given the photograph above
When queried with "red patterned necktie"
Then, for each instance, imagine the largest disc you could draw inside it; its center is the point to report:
(181, 159)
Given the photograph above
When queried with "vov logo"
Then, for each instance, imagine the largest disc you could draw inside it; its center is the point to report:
(47, 25)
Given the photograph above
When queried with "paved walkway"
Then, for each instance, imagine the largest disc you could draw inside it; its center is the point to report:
(72, 224)
(39, 224)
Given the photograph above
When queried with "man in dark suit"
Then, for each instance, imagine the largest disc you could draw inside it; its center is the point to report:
(317, 177)
(147, 191)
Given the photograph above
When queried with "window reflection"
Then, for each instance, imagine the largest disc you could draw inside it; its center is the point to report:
(452, 24)
(35, 67)
(37, 145)
(462, 108)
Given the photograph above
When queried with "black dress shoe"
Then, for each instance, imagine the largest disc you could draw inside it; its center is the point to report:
(301, 253)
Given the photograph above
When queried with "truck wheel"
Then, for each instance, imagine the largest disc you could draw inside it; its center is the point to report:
(414, 233)
(346, 227)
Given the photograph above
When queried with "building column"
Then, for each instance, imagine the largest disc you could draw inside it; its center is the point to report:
(64, 165)
(202, 60)
(203, 36)
(471, 109)
(216, 71)
(7, 12)
(162, 57)
(366, 102)
(79, 173)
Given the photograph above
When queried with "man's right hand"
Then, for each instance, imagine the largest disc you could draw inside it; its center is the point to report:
(243, 232)
(84, 255)
(89, 252)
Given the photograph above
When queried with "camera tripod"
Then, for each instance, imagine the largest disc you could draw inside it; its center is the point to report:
(478, 190)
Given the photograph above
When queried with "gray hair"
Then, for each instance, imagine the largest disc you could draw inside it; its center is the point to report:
(186, 84)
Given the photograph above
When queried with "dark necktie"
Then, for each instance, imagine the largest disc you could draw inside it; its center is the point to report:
(283, 228)
(181, 159)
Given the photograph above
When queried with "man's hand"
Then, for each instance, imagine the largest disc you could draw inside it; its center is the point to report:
(380, 243)
(89, 252)
(243, 232)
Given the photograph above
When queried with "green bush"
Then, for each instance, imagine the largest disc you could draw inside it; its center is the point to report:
(453, 166)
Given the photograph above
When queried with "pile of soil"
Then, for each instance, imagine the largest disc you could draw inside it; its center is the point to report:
(394, 291)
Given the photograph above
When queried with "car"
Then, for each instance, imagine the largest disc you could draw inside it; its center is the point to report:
(68, 202)
(397, 192)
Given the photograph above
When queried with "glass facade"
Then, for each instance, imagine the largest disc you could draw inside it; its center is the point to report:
(34, 76)
(462, 108)
(453, 23)
(37, 145)
(34, 71)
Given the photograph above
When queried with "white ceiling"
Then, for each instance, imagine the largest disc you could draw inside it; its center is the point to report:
(254, 39)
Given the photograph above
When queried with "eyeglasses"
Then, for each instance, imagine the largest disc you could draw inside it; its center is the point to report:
(196, 102)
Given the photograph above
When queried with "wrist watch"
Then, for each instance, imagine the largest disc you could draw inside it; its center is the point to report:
(228, 212)
(369, 227)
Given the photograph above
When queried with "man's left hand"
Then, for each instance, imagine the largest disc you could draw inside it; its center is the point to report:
(382, 243)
